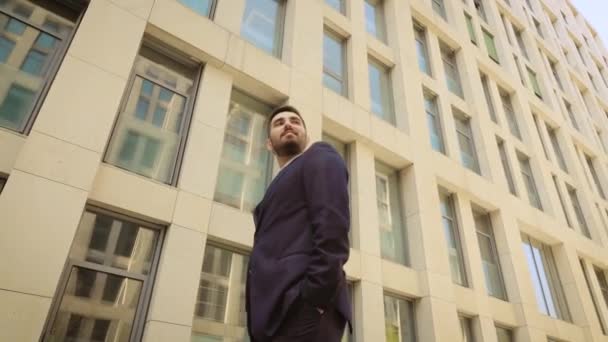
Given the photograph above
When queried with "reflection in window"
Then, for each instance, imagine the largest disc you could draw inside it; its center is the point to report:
(374, 19)
(393, 235)
(334, 62)
(202, 7)
(220, 305)
(399, 320)
(489, 256)
(152, 123)
(105, 284)
(452, 237)
(245, 165)
(263, 24)
(31, 38)
(550, 295)
(381, 93)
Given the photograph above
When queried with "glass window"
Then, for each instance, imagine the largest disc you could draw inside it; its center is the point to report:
(534, 82)
(466, 329)
(338, 5)
(506, 166)
(393, 234)
(504, 335)
(507, 107)
(468, 154)
(381, 92)
(601, 280)
(439, 8)
(556, 149)
(29, 50)
(561, 201)
(246, 164)
(545, 279)
(452, 77)
(202, 7)
(529, 182)
(489, 256)
(219, 312)
(334, 62)
(578, 211)
(433, 121)
(488, 96)
(556, 75)
(520, 42)
(262, 25)
(540, 135)
(488, 38)
(374, 19)
(398, 320)
(422, 50)
(470, 28)
(107, 272)
(571, 115)
(519, 72)
(152, 124)
(594, 299)
(481, 11)
(452, 237)
(596, 179)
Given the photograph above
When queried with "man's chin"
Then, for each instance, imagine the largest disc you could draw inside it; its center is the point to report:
(290, 148)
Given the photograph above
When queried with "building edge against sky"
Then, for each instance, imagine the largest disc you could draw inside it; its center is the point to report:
(132, 153)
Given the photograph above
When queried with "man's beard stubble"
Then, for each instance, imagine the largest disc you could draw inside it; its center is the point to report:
(287, 149)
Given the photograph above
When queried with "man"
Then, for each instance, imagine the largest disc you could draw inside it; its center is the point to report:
(296, 287)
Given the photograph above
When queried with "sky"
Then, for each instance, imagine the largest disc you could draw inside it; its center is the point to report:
(595, 11)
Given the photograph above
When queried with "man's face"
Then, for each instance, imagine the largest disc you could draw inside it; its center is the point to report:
(287, 136)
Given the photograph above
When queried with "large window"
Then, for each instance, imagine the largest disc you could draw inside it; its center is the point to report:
(452, 237)
(488, 38)
(468, 154)
(488, 96)
(393, 235)
(262, 24)
(529, 182)
(578, 211)
(202, 7)
(504, 334)
(433, 121)
(108, 280)
(507, 107)
(596, 179)
(489, 255)
(506, 166)
(399, 319)
(374, 19)
(439, 8)
(556, 149)
(421, 49)
(219, 313)
(34, 36)
(381, 93)
(246, 164)
(338, 5)
(466, 329)
(452, 77)
(152, 124)
(334, 62)
(550, 296)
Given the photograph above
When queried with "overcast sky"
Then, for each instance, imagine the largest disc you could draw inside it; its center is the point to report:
(596, 13)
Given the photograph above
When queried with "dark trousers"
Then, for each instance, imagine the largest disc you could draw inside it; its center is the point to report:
(304, 323)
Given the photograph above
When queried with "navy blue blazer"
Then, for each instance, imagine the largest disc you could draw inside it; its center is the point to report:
(301, 241)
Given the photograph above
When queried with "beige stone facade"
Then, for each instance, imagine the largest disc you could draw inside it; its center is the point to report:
(56, 169)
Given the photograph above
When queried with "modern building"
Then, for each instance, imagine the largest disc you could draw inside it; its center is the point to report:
(132, 152)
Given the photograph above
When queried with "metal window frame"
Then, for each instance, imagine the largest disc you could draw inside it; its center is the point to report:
(468, 135)
(191, 99)
(411, 308)
(434, 113)
(55, 62)
(148, 281)
(379, 20)
(212, 9)
(450, 199)
(342, 41)
(526, 170)
(562, 202)
(390, 105)
(593, 296)
(486, 217)
(504, 158)
(420, 35)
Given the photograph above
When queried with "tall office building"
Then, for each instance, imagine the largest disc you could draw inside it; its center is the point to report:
(132, 153)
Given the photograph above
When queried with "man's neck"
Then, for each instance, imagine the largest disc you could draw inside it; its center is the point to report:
(284, 160)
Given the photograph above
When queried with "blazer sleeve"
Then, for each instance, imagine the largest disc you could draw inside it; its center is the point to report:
(325, 181)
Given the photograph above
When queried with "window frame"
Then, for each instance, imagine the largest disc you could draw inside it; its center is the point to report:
(279, 35)
(449, 199)
(150, 43)
(145, 297)
(527, 173)
(448, 58)
(328, 32)
(389, 111)
(212, 9)
(434, 113)
(55, 62)
(466, 121)
(420, 38)
(504, 159)
(494, 250)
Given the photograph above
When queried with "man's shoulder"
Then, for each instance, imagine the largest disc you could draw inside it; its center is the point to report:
(320, 147)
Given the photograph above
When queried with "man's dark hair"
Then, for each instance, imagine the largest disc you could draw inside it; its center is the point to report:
(282, 109)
